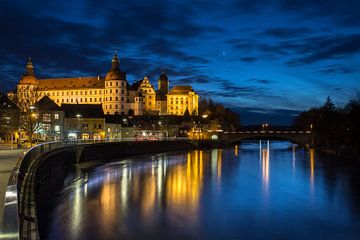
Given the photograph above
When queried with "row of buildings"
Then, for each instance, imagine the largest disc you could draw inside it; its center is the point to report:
(113, 92)
(47, 121)
(101, 108)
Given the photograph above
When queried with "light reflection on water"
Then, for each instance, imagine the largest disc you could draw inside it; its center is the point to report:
(254, 190)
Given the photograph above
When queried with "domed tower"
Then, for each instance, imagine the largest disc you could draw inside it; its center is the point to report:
(115, 89)
(163, 84)
(27, 87)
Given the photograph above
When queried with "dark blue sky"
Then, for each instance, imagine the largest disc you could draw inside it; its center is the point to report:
(255, 56)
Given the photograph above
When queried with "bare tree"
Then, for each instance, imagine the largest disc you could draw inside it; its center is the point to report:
(29, 121)
(27, 98)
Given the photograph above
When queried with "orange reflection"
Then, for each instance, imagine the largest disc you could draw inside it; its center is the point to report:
(265, 164)
(148, 195)
(107, 201)
(183, 185)
(219, 161)
(312, 166)
(236, 150)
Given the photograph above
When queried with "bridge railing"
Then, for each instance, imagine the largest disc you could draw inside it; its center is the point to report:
(269, 132)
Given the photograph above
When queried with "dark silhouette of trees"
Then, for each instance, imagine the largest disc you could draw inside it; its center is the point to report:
(336, 129)
(208, 106)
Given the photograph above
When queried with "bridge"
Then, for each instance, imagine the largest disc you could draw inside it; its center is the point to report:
(305, 138)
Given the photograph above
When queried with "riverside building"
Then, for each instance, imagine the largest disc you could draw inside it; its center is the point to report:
(113, 92)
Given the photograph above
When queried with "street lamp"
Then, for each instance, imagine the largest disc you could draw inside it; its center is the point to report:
(33, 125)
(78, 116)
(311, 127)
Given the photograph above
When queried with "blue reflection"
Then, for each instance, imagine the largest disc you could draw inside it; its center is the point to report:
(269, 189)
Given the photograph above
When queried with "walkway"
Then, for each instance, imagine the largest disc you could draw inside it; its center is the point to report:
(8, 159)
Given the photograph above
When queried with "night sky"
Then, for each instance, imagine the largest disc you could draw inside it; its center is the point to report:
(257, 57)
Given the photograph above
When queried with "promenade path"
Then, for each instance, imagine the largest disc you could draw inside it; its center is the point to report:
(8, 159)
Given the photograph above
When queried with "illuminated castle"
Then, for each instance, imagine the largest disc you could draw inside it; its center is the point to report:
(114, 92)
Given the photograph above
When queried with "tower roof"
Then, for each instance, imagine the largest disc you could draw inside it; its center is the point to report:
(29, 76)
(115, 73)
(163, 76)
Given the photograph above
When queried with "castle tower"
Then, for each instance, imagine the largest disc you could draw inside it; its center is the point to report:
(115, 89)
(163, 84)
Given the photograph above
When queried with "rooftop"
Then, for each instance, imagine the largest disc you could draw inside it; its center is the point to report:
(46, 103)
(181, 90)
(84, 110)
(68, 83)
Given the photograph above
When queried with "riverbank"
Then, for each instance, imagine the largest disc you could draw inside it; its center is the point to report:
(43, 168)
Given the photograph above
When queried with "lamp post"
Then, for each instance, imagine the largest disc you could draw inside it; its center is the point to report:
(78, 116)
(33, 118)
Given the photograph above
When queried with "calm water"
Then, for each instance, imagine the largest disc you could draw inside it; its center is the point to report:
(270, 191)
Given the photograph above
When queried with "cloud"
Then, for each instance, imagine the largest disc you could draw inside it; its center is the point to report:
(249, 59)
(283, 32)
(337, 69)
(335, 47)
(261, 81)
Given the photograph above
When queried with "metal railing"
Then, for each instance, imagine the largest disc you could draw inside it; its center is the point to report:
(15, 188)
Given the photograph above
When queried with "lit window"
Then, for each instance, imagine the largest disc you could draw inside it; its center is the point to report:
(57, 128)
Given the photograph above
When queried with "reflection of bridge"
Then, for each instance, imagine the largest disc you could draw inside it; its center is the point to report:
(300, 137)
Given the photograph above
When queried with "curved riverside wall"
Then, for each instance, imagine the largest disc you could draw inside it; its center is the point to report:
(123, 149)
(51, 172)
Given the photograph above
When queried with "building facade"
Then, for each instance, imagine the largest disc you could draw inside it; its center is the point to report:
(113, 92)
(182, 98)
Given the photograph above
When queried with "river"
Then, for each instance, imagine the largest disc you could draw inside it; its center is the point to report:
(254, 190)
